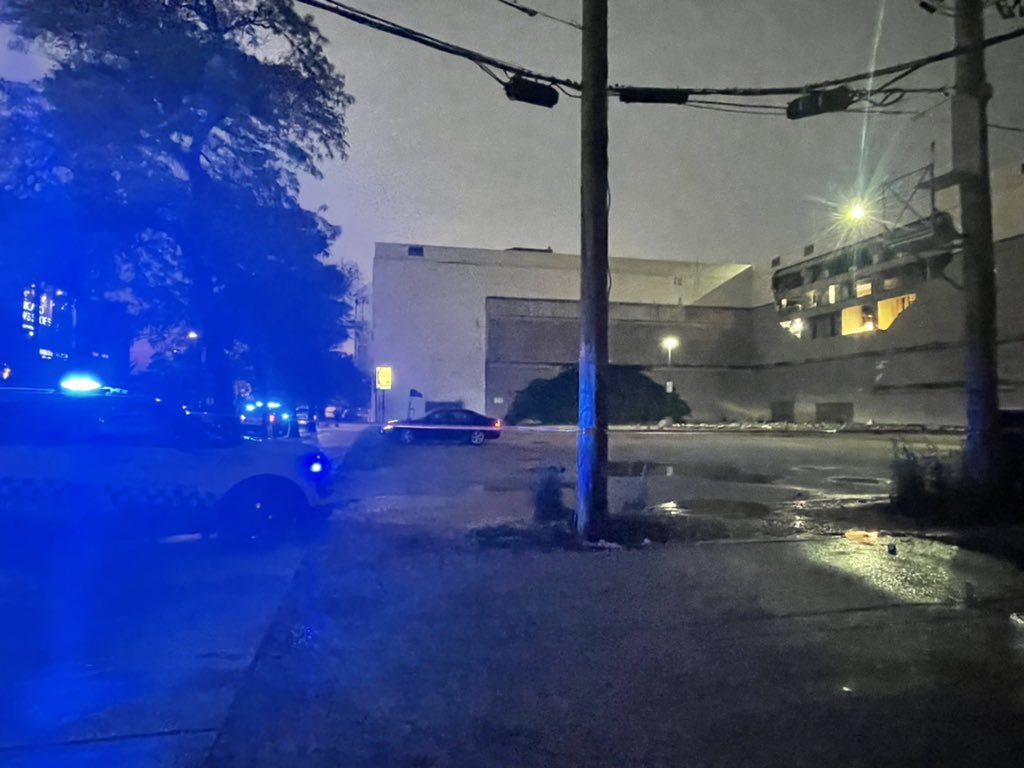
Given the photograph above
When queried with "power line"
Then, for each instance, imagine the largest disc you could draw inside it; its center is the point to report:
(740, 109)
(745, 105)
(392, 28)
(566, 85)
(536, 12)
(801, 89)
(1012, 128)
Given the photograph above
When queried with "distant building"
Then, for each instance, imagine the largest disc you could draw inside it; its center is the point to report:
(56, 333)
(869, 331)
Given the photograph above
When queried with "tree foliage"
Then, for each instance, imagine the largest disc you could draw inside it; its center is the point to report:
(632, 398)
(158, 164)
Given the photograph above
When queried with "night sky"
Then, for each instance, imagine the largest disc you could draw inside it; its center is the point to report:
(440, 156)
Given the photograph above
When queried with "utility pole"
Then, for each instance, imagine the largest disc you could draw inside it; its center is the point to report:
(592, 430)
(971, 169)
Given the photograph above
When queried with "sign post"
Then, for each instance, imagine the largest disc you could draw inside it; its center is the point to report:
(383, 379)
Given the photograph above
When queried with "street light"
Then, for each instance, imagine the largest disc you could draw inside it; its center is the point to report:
(668, 343)
(193, 335)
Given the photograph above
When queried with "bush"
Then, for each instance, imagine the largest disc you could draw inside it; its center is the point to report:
(932, 485)
(632, 398)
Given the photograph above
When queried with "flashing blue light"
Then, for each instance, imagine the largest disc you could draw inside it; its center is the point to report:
(249, 407)
(79, 383)
(317, 465)
(273, 404)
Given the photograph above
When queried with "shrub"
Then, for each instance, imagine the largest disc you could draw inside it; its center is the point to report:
(632, 398)
(932, 484)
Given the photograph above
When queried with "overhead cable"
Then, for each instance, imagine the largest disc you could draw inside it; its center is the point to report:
(392, 28)
(793, 90)
(537, 12)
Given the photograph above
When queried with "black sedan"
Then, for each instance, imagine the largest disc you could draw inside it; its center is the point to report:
(456, 424)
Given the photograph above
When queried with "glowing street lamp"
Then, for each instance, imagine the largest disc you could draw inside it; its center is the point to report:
(669, 343)
(856, 212)
(193, 335)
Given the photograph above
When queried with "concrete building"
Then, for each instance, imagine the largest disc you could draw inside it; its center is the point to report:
(870, 331)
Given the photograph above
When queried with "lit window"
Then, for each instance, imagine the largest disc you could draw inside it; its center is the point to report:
(890, 283)
(858, 320)
(863, 288)
(795, 326)
(890, 309)
(833, 293)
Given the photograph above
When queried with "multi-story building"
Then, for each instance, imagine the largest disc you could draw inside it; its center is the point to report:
(871, 330)
(56, 333)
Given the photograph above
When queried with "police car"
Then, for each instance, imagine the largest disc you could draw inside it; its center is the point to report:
(87, 456)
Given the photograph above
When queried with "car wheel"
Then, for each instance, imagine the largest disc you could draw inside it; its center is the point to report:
(260, 511)
(477, 437)
(406, 437)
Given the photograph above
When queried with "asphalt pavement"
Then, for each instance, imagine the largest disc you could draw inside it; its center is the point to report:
(399, 640)
(408, 642)
(128, 652)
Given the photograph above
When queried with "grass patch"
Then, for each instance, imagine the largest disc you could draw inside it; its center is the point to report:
(931, 484)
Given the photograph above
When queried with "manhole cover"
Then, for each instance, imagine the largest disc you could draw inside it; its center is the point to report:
(857, 480)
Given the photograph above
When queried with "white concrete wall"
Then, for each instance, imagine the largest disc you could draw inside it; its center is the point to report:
(429, 314)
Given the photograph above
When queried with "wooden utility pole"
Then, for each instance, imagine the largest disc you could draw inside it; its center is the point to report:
(971, 169)
(592, 430)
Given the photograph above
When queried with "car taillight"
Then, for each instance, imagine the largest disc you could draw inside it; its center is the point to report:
(497, 423)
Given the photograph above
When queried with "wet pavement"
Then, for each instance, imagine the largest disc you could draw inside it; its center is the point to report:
(400, 641)
(128, 653)
(793, 647)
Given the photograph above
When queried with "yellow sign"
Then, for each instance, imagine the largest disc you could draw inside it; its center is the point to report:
(383, 377)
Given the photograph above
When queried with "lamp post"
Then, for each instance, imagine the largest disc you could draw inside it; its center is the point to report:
(670, 343)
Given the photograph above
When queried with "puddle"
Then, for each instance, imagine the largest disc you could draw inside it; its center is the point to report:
(724, 472)
(922, 571)
(859, 480)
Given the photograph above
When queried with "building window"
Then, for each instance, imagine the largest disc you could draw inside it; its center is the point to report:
(863, 288)
(833, 293)
(859, 319)
(890, 309)
(890, 283)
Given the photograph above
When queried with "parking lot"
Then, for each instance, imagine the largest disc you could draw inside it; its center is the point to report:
(133, 651)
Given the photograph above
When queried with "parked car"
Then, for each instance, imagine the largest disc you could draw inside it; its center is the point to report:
(348, 413)
(449, 425)
(137, 464)
(355, 414)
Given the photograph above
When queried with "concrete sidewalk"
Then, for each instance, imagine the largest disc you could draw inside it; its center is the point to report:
(406, 644)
